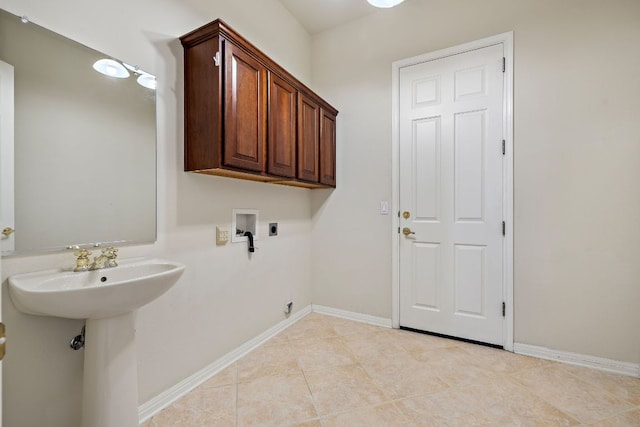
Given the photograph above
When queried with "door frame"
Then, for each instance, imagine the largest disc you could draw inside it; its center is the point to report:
(507, 191)
(7, 97)
(7, 215)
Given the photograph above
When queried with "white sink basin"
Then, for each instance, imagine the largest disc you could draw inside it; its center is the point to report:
(94, 294)
(108, 299)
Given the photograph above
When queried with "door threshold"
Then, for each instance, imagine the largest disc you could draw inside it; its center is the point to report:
(435, 334)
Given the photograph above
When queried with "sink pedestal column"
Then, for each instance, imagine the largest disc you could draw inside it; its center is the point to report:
(110, 394)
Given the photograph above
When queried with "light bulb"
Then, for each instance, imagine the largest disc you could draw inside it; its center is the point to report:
(384, 3)
(111, 68)
(148, 81)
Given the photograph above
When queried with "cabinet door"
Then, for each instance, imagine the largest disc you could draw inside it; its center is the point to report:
(202, 107)
(245, 110)
(308, 138)
(281, 144)
(327, 148)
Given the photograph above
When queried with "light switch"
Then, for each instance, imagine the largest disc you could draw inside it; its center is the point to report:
(384, 208)
(222, 235)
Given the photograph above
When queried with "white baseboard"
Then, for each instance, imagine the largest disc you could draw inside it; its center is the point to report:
(350, 315)
(167, 397)
(614, 366)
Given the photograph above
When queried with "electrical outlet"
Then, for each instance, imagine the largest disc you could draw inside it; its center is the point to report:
(222, 235)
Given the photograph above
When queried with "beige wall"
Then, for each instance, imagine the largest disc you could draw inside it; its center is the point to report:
(224, 299)
(577, 162)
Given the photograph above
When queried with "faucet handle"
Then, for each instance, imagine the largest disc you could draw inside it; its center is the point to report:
(111, 253)
(82, 260)
(82, 253)
(79, 252)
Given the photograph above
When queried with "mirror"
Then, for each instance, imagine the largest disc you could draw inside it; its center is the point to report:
(84, 145)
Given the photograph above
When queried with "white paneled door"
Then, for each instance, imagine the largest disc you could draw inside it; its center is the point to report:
(451, 195)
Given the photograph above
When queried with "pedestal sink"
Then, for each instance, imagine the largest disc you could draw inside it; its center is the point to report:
(108, 299)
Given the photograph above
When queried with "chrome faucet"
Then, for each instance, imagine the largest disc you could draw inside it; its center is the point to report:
(106, 259)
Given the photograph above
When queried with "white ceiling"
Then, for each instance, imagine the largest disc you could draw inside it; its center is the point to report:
(320, 15)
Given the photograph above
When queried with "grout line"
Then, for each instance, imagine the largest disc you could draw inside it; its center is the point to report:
(541, 396)
(588, 385)
(404, 416)
(626, 411)
(313, 399)
(235, 382)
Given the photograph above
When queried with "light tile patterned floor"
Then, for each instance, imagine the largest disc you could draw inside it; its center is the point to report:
(325, 371)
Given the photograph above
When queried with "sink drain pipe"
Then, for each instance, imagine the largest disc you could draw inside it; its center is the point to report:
(77, 342)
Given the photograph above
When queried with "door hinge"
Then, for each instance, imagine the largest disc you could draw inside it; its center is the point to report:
(504, 147)
(504, 64)
(504, 228)
(216, 59)
(398, 230)
(504, 309)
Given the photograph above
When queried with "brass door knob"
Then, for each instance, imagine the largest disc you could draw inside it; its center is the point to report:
(7, 231)
(406, 231)
(406, 214)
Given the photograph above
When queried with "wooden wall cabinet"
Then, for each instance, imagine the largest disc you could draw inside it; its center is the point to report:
(246, 117)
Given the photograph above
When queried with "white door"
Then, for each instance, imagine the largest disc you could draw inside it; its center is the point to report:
(6, 181)
(451, 195)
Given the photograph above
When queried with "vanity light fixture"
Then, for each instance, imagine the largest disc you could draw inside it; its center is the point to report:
(144, 79)
(133, 68)
(384, 3)
(111, 68)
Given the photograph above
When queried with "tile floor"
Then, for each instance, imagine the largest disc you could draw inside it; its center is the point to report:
(325, 371)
